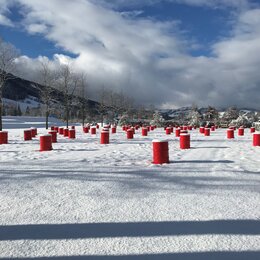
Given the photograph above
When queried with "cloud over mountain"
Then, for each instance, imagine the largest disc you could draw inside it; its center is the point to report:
(148, 58)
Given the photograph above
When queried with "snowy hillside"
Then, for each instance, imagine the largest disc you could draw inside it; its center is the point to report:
(84, 200)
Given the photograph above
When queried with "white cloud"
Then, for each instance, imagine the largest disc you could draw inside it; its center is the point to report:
(116, 4)
(4, 11)
(147, 58)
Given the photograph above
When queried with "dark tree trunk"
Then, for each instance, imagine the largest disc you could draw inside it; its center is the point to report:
(47, 119)
(1, 111)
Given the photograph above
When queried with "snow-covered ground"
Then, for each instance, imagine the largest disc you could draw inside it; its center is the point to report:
(84, 200)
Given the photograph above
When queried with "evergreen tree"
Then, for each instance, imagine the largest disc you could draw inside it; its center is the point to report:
(195, 116)
(157, 120)
(231, 114)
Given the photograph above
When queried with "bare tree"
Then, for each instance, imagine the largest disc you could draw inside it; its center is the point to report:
(102, 104)
(8, 54)
(82, 95)
(67, 83)
(47, 80)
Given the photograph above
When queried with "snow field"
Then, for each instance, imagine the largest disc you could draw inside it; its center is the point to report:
(87, 199)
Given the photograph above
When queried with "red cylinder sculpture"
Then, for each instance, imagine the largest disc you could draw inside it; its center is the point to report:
(46, 142)
(189, 127)
(113, 129)
(53, 134)
(160, 152)
(27, 134)
(34, 131)
(144, 131)
(3, 137)
(252, 129)
(177, 132)
(240, 131)
(61, 130)
(66, 132)
(207, 131)
(256, 139)
(185, 127)
(93, 130)
(72, 133)
(73, 127)
(85, 129)
(168, 130)
(130, 134)
(202, 130)
(52, 128)
(230, 133)
(213, 128)
(184, 141)
(104, 138)
(56, 128)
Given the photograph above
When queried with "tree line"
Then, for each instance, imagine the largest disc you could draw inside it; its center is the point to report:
(72, 86)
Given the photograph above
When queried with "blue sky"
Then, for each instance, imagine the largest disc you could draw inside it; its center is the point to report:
(168, 53)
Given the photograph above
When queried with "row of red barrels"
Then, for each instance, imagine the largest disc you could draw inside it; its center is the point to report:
(161, 149)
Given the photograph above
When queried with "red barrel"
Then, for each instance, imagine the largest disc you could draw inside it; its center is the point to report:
(97, 126)
(130, 134)
(34, 131)
(56, 128)
(27, 134)
(104, 138)
(151, 127)
(240, 131)
(252, 129)
(230, 133)
(256, 139)
(213, 128)
(85, 129)
(181, 127)
(189, 127)
(202, 130)
(177, 132)
(53, 134)
(160, 152)
(124, 128)
(66, 132)
(184, 141)
(93, 130)
(185, 127)
(52, 128)
(73, 127)
(144, 131)
(113, 129)
(3, 137)
(168, 130)
(207, 131)
(46, 142)
(61, 130)
(72, 133)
